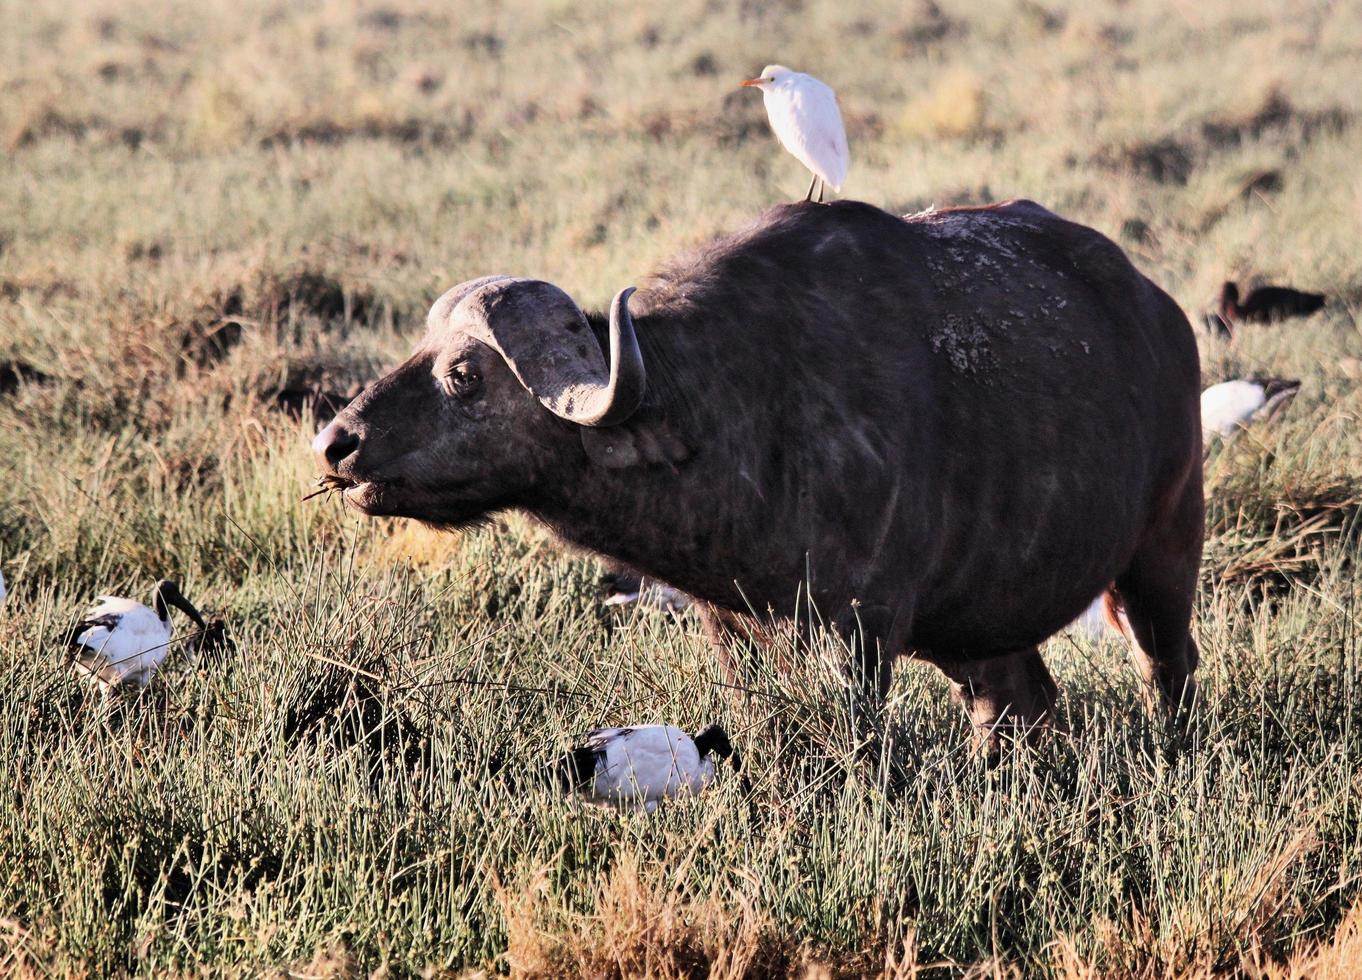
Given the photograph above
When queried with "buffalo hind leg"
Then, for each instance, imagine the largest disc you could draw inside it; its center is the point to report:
(1154, 597)
(1008, 698)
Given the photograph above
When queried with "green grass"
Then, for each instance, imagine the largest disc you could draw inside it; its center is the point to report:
(201, 204)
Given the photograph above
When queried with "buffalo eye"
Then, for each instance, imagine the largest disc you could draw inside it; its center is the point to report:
(462, 380)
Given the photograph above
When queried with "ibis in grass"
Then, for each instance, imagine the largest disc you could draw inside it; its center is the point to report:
(1232, 405)
(637, 768)
(622, 587)
(1103, 617)
(804, 115)
(121, 642)
(1266, 304)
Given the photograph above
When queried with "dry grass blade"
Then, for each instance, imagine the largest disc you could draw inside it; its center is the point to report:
(327, 484)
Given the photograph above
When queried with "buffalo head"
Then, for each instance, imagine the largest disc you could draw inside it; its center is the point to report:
(477, 416)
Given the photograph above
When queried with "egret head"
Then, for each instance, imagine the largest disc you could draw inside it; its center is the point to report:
(770, 75)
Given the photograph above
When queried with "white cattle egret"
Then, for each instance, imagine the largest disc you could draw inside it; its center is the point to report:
(3, 593)
(804, 114)
(1231, 405)
(120, 641)
(638, 767)
(623, 587)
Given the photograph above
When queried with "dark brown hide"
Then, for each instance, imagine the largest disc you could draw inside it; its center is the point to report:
(957, 428)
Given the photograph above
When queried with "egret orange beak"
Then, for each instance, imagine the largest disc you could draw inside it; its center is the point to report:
(750, 83)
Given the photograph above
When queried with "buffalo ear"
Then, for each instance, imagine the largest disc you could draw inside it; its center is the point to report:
(644, 440)
(546, 341)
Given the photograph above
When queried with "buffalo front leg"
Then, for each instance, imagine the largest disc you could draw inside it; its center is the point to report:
(733, 638)
(1008, 698)
(875, 635)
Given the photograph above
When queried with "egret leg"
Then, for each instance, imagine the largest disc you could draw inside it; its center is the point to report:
(809, 196)
(822, 186)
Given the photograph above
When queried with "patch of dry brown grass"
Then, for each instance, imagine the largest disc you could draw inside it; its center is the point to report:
(955, 106)
(1336, 957)
(640, 927)
(1270, 534)
(1253, 922)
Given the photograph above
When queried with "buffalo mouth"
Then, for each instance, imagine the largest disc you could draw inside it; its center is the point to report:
(398, 497)
(391, 498)
(365, 496)
(362, 495)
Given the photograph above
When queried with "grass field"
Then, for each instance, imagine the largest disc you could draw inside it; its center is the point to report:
(210, 212)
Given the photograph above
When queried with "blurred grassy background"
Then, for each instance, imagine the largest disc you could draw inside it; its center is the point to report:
(213, 216)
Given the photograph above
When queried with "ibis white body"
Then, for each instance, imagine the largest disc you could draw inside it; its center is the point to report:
(650, 594)
(1232, 405)
(1096, 622)
(805, 118)
(123, 642)
(1093, 623)
(637, 767)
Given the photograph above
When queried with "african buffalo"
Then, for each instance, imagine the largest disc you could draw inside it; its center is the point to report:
(953, 429)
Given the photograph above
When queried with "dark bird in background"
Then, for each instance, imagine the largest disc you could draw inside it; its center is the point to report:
(1266, 304)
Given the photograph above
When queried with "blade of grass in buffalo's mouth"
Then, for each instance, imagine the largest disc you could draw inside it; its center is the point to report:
(330, 483)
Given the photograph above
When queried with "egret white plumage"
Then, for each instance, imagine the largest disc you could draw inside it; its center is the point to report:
(122, 642)
(638, 767)
(804, 115)
(3, 593)
(1231, 405)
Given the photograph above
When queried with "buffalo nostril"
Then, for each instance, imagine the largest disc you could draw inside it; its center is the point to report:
(334, 443)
